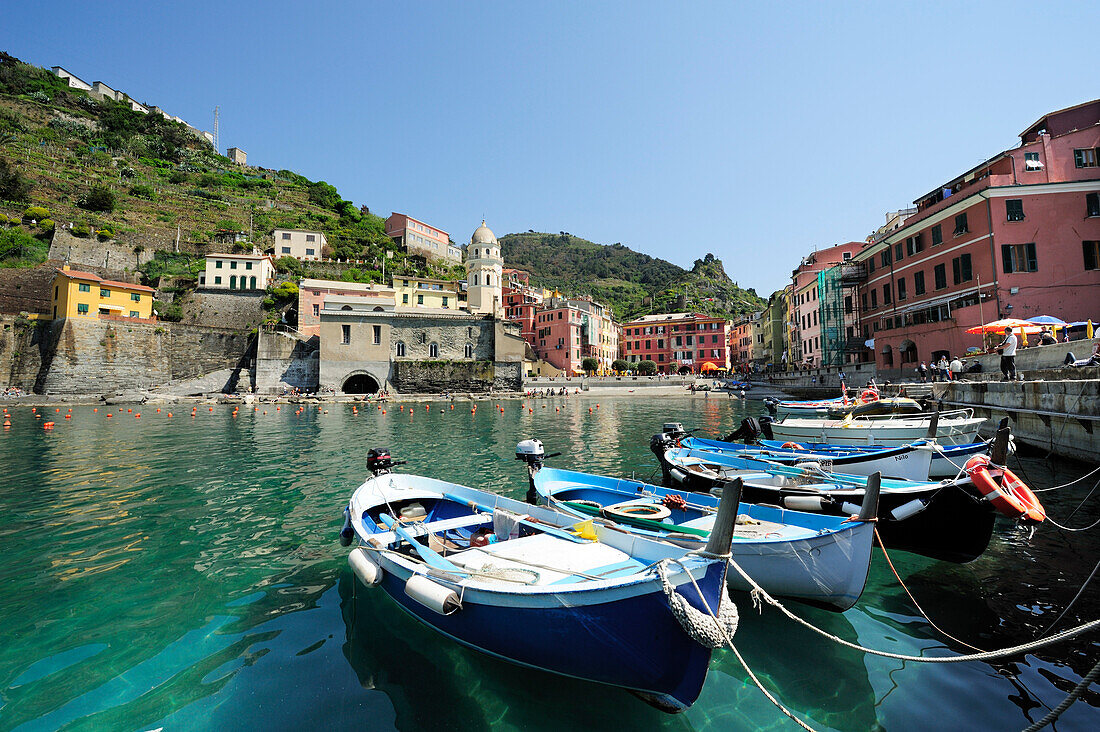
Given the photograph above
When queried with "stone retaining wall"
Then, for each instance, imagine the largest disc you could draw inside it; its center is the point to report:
(435, 377)
(95, 356)
(285, 361)
(239, 310)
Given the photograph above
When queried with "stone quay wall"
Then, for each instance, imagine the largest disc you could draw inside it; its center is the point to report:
(436, 377)
(1059, 416)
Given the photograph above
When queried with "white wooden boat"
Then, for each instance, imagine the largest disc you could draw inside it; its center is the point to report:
(959, 427)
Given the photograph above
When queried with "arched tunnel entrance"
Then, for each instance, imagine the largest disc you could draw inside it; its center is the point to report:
(360, 384)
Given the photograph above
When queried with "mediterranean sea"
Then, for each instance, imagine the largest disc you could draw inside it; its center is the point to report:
(184, 573)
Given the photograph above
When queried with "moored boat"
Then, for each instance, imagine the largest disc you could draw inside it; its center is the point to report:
(947, 460)
(816, 558)
(958, 427)
(950, 519)
(909, 462)
(526, 584)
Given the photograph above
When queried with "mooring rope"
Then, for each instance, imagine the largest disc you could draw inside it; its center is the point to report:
(760, 592)
(729, 643)
(915, 603)
(1071, 697)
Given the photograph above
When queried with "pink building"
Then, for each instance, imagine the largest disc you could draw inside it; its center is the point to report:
(313, 293)
(806, 300)
(558, 336)
(422, 239)
(677, 341)
(1016, 236)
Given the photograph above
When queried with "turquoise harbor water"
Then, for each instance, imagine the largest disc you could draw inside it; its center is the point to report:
(184, 573)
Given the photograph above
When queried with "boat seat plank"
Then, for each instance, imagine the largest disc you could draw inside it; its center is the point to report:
(420, 529)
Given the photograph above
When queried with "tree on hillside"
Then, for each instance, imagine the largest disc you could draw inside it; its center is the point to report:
(99, 198)
(13, 186)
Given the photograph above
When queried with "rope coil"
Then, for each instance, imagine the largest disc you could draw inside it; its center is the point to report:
(707, 630)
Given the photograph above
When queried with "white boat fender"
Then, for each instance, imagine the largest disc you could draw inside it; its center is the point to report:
(851, 509)
(911, 508)
(435, 597)
(815, 504)
(365, 568)
(678, 475)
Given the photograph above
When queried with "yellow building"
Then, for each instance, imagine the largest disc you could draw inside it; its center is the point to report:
(85, 295)
(423, 292)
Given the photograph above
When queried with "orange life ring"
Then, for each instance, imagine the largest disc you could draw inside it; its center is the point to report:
(869, 395)
(792, 446)
(1011, 497)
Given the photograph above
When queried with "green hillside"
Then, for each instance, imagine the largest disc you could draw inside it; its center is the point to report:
(71, 158)
(631, 283)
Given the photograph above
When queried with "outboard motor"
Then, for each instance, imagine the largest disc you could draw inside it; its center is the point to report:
(379, 461)
(674, 430)
(660, 444)
(766, 427)
(532, 453)
(749, 431)
(772, 404)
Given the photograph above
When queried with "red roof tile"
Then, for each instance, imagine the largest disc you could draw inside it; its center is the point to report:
(78, 275)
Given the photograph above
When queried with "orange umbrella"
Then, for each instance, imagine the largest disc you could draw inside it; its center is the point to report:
(709, 366)
(998, 326)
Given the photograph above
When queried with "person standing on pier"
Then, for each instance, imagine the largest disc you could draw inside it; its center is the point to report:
(1008, 355)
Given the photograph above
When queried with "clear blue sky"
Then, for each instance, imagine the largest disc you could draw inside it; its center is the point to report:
(757, 132)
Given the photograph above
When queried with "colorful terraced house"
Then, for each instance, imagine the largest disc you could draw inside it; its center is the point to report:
(85, 295)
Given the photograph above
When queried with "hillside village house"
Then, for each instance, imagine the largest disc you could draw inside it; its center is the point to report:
(237, 272)
(425, 292)
(300, 244)
(237, 155)
(422, 239)
(85, 295)
(312, 295)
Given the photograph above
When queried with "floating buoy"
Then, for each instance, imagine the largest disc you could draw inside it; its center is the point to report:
(137, 416)
(278, 409)
(68, 416)
(427, 407)
(558, 409)
(34, 409)
(473, 410)
(211, 409)
(590, 410)
(383, 411)
(265, 412)
(597, 406)
(7, 424)
(47, 425)
(169, 414)
(130, 411)
(58, 409)
(530, 411)
(109, 415)
(326, 411)
(70, 410)
(452, 407)
(95, 409)
(158, 410)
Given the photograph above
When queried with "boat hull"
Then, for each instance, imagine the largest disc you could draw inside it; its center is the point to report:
(633, 642)
(872, 433)
(906, 462)
(954, 525)
(945, 464)
(828, 568)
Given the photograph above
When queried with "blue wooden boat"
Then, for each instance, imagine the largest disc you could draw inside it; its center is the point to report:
(815, 558)
(910, 462)
(947, 519)
(525, 584)
(946, 462)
